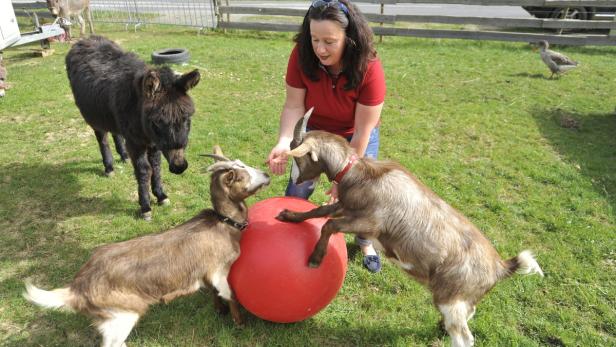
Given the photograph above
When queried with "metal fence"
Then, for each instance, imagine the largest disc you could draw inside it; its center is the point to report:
(192, 13)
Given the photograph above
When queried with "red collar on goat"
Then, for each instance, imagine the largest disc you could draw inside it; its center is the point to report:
(348, 166)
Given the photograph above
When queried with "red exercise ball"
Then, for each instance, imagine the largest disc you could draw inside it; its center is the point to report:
(271, 278)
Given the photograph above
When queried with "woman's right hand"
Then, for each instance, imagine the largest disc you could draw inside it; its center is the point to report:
(277, 159)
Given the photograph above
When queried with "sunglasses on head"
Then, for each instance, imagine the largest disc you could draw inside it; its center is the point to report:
(323, 4)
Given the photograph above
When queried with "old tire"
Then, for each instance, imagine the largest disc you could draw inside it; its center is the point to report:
(170, 56)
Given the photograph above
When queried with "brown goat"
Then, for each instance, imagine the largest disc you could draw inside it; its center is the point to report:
(418, 231)
(120, 281)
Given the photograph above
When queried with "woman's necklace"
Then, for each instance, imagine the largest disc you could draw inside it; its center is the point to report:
(332, 75)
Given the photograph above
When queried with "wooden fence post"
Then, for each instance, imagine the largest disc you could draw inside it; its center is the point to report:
(613, 31)
(564, 16)
(217, 12)
(381, 23)
(228, 15)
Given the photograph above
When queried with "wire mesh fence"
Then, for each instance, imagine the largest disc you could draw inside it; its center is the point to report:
(192, 13)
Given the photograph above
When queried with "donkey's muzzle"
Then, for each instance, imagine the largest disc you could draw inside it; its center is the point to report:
(177, 162)
(178, 169)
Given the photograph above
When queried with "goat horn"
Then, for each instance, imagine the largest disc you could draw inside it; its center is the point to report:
(216, 157)
(299, 151)
(218, 151)
(300, 126)
(220, 165)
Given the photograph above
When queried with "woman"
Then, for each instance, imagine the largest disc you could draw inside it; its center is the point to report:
(334, 68)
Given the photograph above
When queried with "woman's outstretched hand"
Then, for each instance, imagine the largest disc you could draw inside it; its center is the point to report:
(277, 159)
(333, 194)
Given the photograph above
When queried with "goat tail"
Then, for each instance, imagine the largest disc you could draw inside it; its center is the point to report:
(524, 263)
(56, 298)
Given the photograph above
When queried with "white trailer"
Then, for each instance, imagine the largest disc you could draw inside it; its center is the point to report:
(9, 30)
(11, 36)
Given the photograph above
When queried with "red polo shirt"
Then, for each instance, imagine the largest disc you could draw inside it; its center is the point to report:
(334, 107)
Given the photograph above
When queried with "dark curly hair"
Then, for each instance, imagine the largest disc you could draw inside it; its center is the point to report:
(358, 48)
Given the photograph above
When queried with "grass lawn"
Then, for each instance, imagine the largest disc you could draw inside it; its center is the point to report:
(530, 160)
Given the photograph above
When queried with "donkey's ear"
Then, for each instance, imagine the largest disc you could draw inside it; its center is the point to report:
(188, 80)
(151, 83)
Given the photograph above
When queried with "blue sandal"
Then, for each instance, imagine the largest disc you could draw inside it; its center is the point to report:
(372, 263)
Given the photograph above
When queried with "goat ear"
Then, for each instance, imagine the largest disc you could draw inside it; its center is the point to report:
(229, 177)
(314, 157)
(151, 83)
(300, 150)
(189, 80)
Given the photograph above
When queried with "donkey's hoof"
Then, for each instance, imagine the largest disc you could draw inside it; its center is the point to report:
(147, 216)
(109, 173)
(165, 202)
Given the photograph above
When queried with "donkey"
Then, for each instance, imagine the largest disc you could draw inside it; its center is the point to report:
(121, 280)
(64, 9)
(149, 107)
(421, 233)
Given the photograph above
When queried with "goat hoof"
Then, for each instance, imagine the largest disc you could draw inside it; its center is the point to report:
(314, 263)
(283, 216)
(221, 309)
(165, 202)
(441, 326)
(147, 216)
(287, 216)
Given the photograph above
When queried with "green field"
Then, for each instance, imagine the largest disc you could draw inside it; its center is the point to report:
(530, 160)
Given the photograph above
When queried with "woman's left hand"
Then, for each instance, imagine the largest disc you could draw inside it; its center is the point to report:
(333, 194)
(277, 159)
